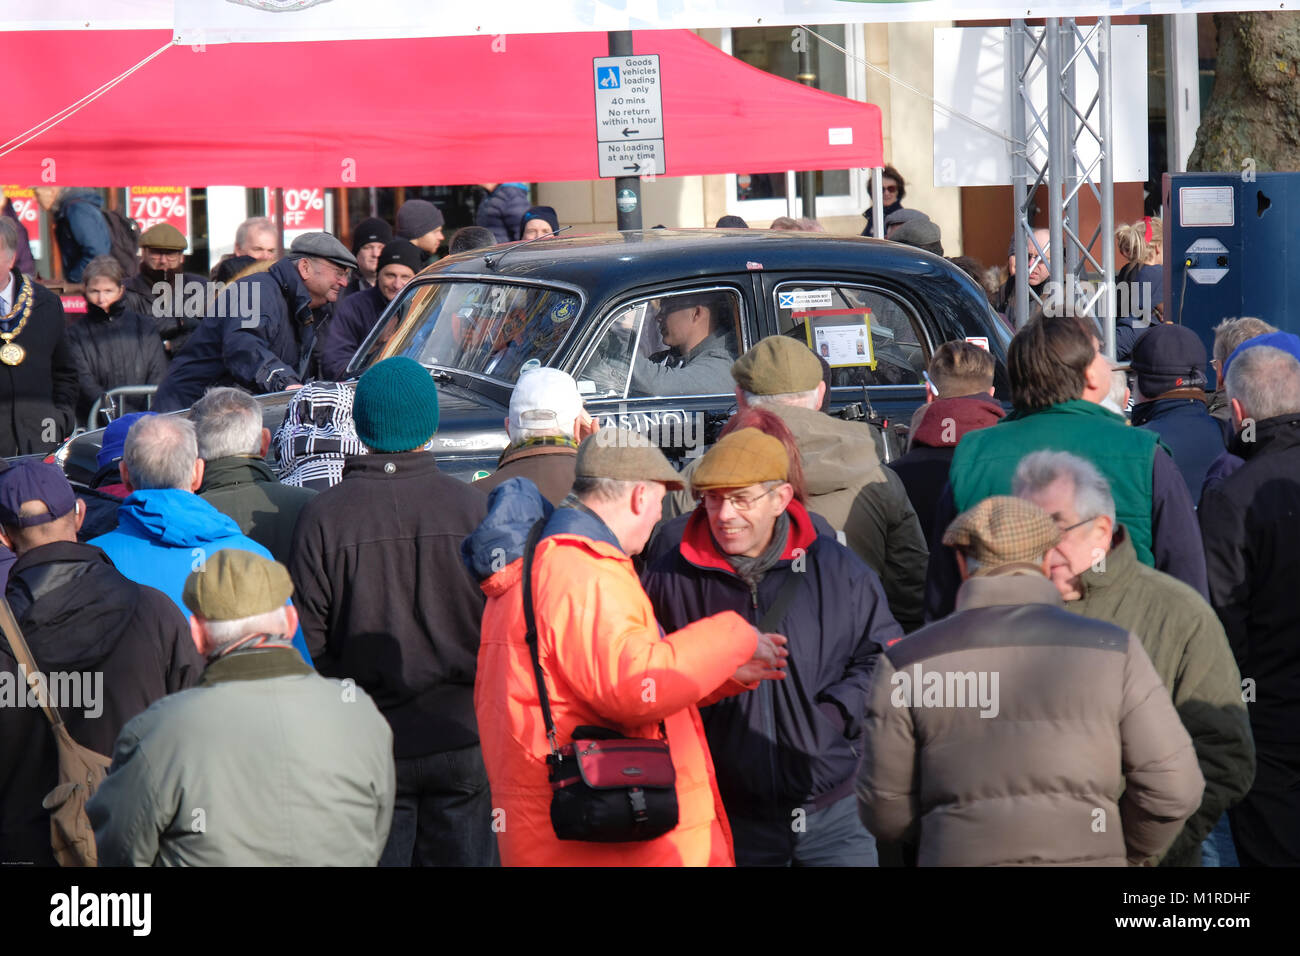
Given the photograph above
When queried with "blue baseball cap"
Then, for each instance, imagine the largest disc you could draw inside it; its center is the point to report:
(1286, 341)
(114, 442)
(34, 481)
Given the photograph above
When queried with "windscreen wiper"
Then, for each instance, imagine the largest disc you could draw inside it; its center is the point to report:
(491, 261)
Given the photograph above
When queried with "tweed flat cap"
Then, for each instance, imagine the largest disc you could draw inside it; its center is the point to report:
(1003, 530)
(917, 232)
(321, 245)
(777, 365)
(233, 584)
(900, 216)
(163, 235)
(743, 458)
(624, 455)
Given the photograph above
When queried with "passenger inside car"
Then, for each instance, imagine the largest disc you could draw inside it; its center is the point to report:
(698, 332)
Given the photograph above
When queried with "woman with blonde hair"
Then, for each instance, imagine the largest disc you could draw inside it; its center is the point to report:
(1139, 285)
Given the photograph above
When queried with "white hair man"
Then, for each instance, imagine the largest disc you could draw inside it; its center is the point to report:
(1098, 574)
(257, 239)
(221, 750)
(846, 484)
(546, 425)
(164, 530)
(1250, 522)
(237, 481)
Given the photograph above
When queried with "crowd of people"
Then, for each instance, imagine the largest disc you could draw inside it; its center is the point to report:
(1058, 635)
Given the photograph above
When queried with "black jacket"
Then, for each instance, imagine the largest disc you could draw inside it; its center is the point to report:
(38, 397)
(354, 317)
(111, 349)
(1250, 522)
(247, 490)
(265, 351)
(385, 599)
(176, 309)
(129, 646)
(793, 743)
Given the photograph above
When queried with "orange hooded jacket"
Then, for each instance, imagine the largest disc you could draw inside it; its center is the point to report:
(606, 664)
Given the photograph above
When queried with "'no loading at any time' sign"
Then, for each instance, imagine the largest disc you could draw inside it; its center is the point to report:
(629, 116)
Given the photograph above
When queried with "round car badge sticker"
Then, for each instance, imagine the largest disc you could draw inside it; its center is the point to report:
(562, 311)
(626, 200)
(531, 364)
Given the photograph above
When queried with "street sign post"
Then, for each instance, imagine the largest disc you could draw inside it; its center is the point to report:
(629, 116)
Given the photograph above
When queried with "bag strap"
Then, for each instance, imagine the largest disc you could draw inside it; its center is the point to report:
(530, 619)
(25, 659)
(772, 617)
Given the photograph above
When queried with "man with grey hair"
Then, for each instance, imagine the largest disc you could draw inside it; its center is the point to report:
(1250, 522)
(164, 530)
(237, 481)
(546, 425)
(1098, 574)
(256, 238)
(199, 778)
(1228, 334)
(38, 378)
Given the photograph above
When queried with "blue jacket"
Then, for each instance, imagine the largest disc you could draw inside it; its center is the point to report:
(1194, 437)
(503, 211)
(791, 743)
(354, 317)
(81, 230)
(265, 351)
(164, 534)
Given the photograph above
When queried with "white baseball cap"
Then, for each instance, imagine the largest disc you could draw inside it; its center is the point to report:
(545, 398)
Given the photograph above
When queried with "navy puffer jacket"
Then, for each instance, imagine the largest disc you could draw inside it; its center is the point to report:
(792, 743)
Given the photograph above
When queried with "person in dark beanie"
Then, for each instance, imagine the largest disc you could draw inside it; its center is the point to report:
(894, 189)
(420, 222)
(112, 346)
(539, 221)
(393, 526)
(503, 210)
(729, 222)
(356, 315)
(122, 644)
(368, 241)
(262, 334)
(1169, 361)
(471, 238)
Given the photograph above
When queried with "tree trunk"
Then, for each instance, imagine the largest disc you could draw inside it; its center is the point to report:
(1253, 118)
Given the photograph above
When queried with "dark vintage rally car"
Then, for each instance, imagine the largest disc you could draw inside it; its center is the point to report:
(588, 305)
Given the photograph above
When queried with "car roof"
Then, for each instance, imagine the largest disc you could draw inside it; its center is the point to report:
(649, 255)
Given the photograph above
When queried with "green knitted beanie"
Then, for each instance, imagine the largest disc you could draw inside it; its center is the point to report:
(396, 405)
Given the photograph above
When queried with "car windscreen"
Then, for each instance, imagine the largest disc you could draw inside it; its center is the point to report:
(489, 328)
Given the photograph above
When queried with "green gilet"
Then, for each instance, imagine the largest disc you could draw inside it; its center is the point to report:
(986, 459)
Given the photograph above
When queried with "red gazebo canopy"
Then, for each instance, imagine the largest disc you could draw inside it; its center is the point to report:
(446, 110)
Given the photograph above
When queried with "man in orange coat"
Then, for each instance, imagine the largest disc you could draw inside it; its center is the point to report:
(605, 659)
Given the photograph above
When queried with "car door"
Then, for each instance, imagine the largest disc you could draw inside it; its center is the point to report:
(631, 376)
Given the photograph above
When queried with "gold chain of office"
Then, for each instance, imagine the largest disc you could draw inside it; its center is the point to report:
(12, 353)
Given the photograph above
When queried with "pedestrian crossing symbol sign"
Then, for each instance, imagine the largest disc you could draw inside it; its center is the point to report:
(607, 78)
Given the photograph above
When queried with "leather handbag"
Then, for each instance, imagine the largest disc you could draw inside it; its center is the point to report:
(606, 787)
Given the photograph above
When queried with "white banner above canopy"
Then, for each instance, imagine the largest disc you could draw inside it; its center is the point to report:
(226, 21)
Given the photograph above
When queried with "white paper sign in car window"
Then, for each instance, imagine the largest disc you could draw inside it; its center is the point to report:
(804, 299)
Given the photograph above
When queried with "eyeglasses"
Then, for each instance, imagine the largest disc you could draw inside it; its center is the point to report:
(889, 189)
(1077, 524)
(742, 503)
(340, 272)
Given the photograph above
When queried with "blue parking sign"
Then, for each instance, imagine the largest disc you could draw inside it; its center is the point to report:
(607, 78)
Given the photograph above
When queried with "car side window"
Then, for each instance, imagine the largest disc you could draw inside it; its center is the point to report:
(679, 343)
(895, 342)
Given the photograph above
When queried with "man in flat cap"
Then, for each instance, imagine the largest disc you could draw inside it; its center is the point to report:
(162, 289)
(1017, 733)
(785, 755)
(265, 763)
(261, 332)
(606, 661)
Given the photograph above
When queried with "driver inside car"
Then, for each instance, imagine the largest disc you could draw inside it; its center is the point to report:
(697, 360)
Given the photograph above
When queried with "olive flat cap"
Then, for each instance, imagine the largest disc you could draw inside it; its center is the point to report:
(321, 245)
(624, 455)
(233, 584)
(778, 365)
(163, 235)
(1003, 530)
(743, 458)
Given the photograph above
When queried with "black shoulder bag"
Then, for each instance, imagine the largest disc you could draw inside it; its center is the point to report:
(606, 788)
